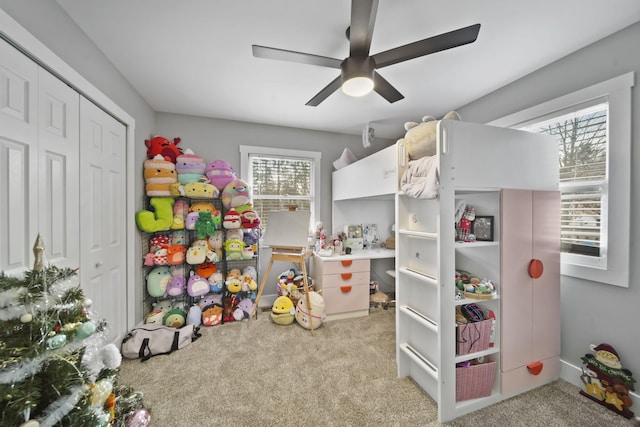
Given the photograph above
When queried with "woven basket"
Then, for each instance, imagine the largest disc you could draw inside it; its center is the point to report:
(473, 337)
(475, 381)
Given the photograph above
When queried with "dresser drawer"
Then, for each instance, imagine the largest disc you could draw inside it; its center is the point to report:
(345, 279)
(345, 266)
(346, 298)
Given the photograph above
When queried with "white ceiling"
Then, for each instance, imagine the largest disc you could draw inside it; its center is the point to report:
(194, 56)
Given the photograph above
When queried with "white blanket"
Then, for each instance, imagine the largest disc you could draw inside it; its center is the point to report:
(420, 180)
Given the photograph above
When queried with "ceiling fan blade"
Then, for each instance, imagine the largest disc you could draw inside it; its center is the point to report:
(427, 46)
(385, 89)
(324, 93)
(293, 56)
(363, 19)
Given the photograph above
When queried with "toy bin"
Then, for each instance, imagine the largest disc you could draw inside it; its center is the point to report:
(475, 380)
(473, 337)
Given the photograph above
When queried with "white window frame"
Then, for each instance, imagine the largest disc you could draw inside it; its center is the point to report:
(314, 156)
(614, 269)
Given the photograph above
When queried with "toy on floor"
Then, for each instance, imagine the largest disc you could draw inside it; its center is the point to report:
(605, 381)
(283, 312)
(313, 317)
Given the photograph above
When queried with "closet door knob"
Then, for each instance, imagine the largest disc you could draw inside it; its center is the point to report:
(535, 268)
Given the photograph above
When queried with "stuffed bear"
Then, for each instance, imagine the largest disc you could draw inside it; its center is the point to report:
(205, 226)
(420, 139)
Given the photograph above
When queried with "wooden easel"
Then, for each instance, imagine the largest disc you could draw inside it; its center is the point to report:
(286, 235)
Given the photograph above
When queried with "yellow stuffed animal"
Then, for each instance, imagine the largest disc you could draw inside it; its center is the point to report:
(420, 139)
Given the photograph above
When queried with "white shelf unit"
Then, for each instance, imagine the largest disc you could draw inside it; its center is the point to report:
(475, 162)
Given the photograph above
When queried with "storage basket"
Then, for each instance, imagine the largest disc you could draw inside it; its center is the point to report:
(475, 381)
(473, 337)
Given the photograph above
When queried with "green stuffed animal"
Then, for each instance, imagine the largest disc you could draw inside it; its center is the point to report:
(205, 226)
(159, 220)
(420, 139)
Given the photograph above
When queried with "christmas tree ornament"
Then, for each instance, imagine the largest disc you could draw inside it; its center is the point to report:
(30, 423)
(140, 418)
(56, 341)
(85, 330)
(101, 391)
(26, 318)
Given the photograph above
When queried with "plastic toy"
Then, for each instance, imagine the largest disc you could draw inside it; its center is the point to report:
(159, 220)
(169, 150)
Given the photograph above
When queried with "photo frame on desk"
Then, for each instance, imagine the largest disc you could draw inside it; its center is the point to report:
(483, 228)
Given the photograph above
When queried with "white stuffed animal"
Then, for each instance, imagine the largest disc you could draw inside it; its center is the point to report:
(420, 139)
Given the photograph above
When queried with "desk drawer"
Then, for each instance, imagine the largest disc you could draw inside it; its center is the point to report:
(346, 298)
(345, 266)
(345, 279)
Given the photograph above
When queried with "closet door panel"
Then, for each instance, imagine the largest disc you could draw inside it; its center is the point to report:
(18, 159)
(59, 142)
(546, 289)
(516, 308)
(103, 223)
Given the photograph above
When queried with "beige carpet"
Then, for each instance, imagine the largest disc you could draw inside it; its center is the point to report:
(263, 374)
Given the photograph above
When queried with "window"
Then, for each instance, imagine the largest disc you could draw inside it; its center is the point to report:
(593, 127)
(280, 178)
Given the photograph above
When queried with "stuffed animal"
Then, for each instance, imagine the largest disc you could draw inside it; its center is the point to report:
(201, 190)
(237, 195)
(180, 211)
(420, 138)
(216, 242)
(313, 317)
(283, 311)
(220, 173)
(246, 305)
(154, 317)
(159, 174)
(212, 315)
(228, 307)
(159, 220)
(210, 299)
(176, 254)
(178, 237)
(231, 220)
(250, 219)
(197, 285)
(176, 286)
(206, 269)
(194, 315)
(157, 281)
(164, 305)
(175, 318)
(251, 272)
(168, 150)
(233, 249)
(247, 252)
(234, 285)
(205, 226)
(216, 282)
(190, 167)
(251, 237)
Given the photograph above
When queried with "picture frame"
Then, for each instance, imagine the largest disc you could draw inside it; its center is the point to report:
(483, 228)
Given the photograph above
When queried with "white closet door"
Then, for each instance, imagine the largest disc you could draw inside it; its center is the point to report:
(103, 222)
(58, 166)
(18, 159)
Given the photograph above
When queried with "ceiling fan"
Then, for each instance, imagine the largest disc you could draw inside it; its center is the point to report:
(358, 71)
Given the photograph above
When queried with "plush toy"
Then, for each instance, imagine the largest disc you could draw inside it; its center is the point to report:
(176, 286)
(159, 174)
(194, 315)
(420, 138)
(283, 311)
(164, 305)
(237, 195)
(234, 285)
(212, 315)
(247, 252)
(231, 220)
(204, 226)
(233, 249)
(216, 282)
(157, 281)
(200, 252)
(201, 190)
(250, 219)
(180, 211)
(197, 285)
(251, 237)
(246, 305)
(220, 173)
(228, 306)
(176, 254)
(206, 269)
(316, 312)
(175, 318)
(235, 233)
(251, 272)
(154, 317)
(238, 314)
(190, 167)
(216, 242)
(159, 220)
(210, 299)
(169, 150)
(178, 237)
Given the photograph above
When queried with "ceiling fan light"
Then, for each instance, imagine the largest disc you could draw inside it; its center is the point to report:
(357, 86)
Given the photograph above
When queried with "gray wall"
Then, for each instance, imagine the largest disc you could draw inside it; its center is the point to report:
(592, 313)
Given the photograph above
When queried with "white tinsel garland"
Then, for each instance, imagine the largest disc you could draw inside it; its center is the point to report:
(11, 308)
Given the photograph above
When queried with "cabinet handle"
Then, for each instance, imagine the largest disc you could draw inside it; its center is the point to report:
(346, 263)
(535, 268)
(535, 368)
(346, 276)
(345, 289)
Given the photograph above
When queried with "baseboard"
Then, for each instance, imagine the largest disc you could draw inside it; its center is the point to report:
(571, 374)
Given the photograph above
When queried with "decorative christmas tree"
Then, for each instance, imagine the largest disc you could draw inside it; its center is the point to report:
(56, 366)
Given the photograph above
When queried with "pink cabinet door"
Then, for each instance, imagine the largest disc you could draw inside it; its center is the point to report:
(530, 230)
